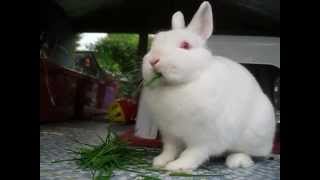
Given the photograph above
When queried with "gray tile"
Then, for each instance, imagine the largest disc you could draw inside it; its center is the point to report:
(55, 138)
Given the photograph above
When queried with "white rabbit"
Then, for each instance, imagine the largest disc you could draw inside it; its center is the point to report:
(203, 105)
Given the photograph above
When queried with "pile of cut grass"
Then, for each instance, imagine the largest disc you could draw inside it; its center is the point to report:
(112, 153)
(115, 154)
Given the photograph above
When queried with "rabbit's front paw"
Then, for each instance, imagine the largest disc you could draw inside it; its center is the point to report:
(161, 160)
(239, 160)
(180, 166)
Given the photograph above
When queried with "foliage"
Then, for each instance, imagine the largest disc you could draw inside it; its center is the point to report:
(117, 53)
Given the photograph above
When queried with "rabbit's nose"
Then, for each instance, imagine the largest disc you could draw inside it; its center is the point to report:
(153, 62)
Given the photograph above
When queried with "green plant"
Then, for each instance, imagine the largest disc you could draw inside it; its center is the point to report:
(117, 53)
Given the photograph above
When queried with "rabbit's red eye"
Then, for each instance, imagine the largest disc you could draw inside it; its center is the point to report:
(185, 45)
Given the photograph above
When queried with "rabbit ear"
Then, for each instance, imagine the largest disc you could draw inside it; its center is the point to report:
(202, 23)
(177, 20)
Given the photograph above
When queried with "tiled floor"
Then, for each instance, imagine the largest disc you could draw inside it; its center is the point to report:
(55, 138)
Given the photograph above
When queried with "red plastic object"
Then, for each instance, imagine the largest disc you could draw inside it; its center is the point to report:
(129, 108)
(136, 141)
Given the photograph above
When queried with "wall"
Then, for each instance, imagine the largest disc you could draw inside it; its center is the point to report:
(247, 49)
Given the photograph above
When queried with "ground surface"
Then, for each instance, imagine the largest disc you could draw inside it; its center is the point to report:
(54, 138)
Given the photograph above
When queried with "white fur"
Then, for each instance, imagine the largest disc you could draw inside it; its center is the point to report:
(144, 127)
(178, 20)
(201, 22)
(239, 160)
(204, 105)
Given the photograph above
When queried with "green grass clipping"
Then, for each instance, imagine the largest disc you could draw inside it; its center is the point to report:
(112, 153)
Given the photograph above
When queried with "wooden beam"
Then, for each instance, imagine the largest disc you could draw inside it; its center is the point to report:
(141, 51)
(143, 44)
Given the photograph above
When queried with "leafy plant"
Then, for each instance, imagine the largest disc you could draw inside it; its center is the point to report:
(117, 53)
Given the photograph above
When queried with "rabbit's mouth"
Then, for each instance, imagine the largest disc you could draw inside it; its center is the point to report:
(156, 77)
(157, 72)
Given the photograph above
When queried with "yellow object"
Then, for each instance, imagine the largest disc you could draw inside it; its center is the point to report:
(115, 112)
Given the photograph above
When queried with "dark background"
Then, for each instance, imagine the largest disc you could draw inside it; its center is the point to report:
(240, 17)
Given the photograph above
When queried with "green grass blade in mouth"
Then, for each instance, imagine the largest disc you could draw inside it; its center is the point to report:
(154, 79)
